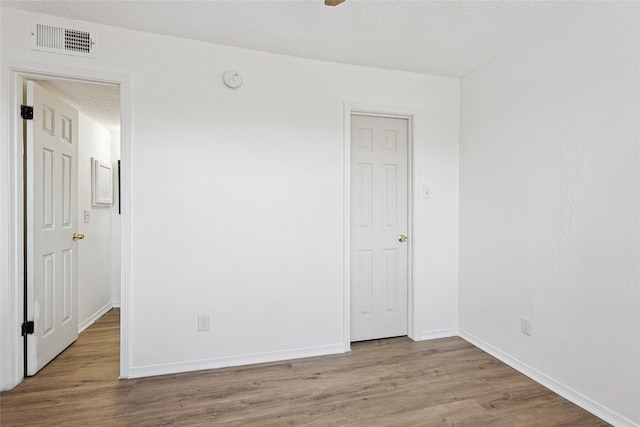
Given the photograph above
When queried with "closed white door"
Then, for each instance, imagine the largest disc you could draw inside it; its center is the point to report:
(379, 226)
(52, 213)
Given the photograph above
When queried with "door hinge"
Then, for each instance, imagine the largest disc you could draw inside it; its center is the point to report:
(28, 328)
(26, 112)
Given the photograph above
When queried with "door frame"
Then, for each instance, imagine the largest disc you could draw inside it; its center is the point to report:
(11, 285)
(412, 115)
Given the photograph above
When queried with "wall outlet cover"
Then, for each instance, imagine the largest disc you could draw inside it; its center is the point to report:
(525, 326)
(204, 322)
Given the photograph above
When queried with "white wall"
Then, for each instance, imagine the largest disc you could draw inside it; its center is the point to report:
(94, 252)
(237, 195)
(549, 207)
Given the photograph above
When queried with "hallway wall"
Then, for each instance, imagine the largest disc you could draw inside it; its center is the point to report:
(94, 252)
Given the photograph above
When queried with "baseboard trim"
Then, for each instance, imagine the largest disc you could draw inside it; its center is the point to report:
(558, 388)
(92, 319)
(438, 333)
(225, 362)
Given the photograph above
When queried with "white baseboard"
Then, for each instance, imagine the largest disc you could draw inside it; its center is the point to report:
(92, 319)
(115, 304)
(225, 362)
(438, 333)
(558, 388)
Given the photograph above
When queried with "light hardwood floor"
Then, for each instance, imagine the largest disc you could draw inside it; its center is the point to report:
(392, 382)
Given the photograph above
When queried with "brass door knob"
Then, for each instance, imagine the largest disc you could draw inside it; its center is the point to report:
(402, 238)
(78, 236)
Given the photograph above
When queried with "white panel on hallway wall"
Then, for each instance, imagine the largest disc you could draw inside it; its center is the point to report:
(102, 183)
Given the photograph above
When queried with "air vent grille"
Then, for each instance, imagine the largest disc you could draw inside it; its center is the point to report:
(48, 36)
(67, 41)
(77, 41)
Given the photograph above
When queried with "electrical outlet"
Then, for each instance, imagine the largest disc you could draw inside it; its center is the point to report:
(525, 326)
(203, 322)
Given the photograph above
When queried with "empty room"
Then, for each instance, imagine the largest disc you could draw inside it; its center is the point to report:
(311, 212)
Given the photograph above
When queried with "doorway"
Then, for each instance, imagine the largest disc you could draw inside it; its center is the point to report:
(378, 257)
(71, 147)
(12, 349)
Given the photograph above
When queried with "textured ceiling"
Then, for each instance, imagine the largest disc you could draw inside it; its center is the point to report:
(100, 102)
(447, 38)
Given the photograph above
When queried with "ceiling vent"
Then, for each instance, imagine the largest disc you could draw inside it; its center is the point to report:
(67, 41)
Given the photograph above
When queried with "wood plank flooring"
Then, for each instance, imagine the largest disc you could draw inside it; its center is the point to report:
(392, 382)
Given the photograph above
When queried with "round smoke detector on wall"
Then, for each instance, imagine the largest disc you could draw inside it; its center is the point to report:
(232, 79)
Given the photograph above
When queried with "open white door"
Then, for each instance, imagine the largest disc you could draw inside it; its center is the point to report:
(51, 222)
(379, 225)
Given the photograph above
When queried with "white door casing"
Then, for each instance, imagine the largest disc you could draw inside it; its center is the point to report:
(51, 220)
(13, 271)
(379, 216)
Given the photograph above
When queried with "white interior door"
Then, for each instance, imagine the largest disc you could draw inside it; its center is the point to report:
(379, 225)
(51, 220)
